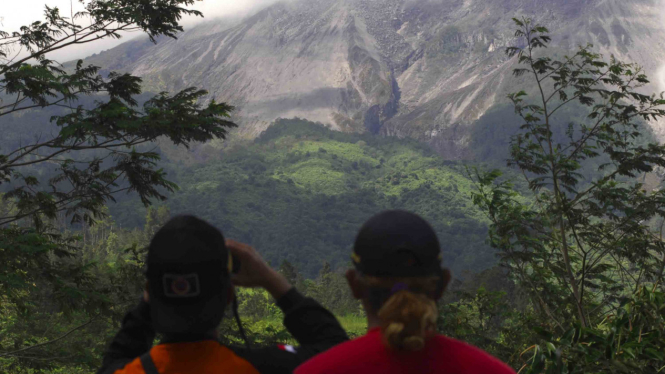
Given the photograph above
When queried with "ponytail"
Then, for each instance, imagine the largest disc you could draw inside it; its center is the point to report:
(408, 316)
(408, 320)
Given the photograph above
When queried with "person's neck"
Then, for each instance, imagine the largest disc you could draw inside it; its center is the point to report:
(373, 321)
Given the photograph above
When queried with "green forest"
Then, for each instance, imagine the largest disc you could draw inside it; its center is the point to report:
(300, 191)
(558, 255)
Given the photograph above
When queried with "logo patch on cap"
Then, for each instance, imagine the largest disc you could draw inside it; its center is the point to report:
(179, 285)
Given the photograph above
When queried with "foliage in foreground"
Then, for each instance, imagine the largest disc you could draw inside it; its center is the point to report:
(65, 172)
(89, 153)
(588, 253)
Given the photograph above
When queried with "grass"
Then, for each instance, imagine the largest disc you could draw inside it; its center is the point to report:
(352, 152)
(316, 175)
(354, 324)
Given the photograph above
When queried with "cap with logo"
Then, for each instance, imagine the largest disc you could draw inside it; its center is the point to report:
(188, 267)
(397, 244)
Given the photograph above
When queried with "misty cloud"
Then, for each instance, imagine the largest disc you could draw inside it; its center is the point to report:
(661, 72)
(223, 8)
(14, 14)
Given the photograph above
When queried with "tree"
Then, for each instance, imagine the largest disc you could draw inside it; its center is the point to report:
(289, 272)
(155, 218)
(95, 151)
(94, 147)
(585, 249)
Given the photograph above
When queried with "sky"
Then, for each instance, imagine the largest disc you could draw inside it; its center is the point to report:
(17, 13)
(661, 72)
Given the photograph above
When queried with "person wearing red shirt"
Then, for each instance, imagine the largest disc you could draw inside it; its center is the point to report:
(398, 277)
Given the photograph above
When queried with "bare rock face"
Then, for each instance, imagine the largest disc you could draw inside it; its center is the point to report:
(425, 69)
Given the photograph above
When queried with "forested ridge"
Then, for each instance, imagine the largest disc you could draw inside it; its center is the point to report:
(560, 257)
(300, 191)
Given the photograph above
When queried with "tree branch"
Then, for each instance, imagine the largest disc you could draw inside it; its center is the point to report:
(12, 353)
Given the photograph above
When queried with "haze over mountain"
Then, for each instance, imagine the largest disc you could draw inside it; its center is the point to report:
(425, 69)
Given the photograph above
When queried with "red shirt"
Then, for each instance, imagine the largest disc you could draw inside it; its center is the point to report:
(368, 354)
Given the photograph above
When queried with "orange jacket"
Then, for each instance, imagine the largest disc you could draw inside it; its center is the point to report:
(203, 357)
(314, 327)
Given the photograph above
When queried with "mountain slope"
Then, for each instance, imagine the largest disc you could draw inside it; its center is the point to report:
(300, 192)
(424, 69)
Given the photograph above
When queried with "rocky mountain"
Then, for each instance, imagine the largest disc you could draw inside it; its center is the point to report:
(426, 69)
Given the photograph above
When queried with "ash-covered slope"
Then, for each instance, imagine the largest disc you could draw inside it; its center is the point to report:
(425, 69)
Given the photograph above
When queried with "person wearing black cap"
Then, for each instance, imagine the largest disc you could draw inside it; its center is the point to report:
(191, 270)
(398, 276)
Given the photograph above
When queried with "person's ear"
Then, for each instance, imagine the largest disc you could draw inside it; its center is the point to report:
(353, 278)
(446, 277)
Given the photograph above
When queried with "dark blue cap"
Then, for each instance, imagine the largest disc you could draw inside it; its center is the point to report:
(188, 274)
(397, 244)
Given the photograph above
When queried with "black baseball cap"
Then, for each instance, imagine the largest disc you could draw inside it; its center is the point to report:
(188, 267)
(396, 244)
